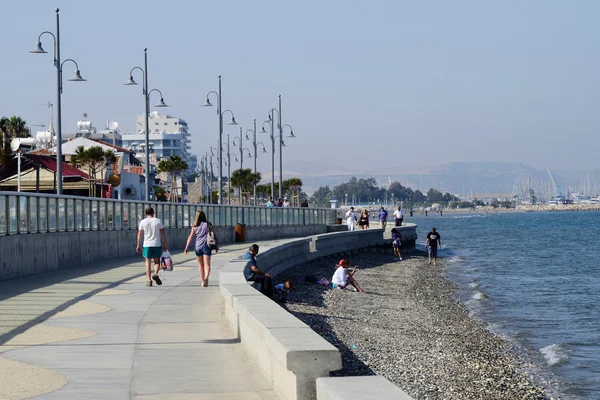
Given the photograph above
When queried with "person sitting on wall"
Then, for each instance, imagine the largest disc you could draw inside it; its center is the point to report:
(253, 274)
(342, 277)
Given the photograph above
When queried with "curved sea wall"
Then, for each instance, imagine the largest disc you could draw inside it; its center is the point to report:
(288, 352)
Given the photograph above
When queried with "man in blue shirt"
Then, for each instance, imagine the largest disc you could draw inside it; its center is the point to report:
(383, 216)
(253, 274)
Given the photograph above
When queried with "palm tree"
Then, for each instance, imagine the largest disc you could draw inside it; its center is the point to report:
(95, 159)
(176, 168)
(295, 185)
(10, 128)
(244, 180)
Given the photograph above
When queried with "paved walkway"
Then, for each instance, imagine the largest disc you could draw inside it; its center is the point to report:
(98, 332)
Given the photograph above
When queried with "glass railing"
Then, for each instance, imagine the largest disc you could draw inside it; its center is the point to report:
(22, 213)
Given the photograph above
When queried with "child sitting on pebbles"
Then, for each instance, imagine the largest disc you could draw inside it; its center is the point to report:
(342, 277)
(282, 291)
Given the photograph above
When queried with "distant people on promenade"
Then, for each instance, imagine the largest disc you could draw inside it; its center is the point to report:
(351, 219)
(396, 243)
(432, 242)
(398, 216)
(286, 202)
(279, 203)
(253, 274)
(363, 221)
(304, 203)
(383, 216)
(342, 277)
(152, 234)
(199, 233)
(270, 202)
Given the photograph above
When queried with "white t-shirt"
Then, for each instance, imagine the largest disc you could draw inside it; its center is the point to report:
(350, 217)
(398, 213)
(286, 203)
(339, 277)
(151, 228)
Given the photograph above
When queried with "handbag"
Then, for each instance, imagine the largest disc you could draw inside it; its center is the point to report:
(211, 238)
(166, 261)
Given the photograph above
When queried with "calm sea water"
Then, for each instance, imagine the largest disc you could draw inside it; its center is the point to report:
(534, 278)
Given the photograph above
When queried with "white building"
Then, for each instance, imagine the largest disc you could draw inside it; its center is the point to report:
(169, 136)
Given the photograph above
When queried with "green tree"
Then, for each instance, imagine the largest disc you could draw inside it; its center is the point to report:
(244, 180)
(10, 128)
(176, 168)
(294, 185)
(95, 160)
(160, 193)
(321, 197)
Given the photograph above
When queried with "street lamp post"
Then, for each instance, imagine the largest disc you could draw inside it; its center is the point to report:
(229, 170)
(76, 78)
(161, 103)
(232, 122)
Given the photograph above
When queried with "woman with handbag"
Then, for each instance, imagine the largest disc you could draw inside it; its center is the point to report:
(205, 243)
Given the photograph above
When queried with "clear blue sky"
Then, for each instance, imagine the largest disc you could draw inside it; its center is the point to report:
(364, 84)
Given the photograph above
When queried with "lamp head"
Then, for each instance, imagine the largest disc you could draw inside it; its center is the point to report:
(38, 49)
(77, 77)
(264, 150)
(161, 103)
(283, 144)
(232, 122)
(262, 130)
(130, 81)
(292, 134)
(207, 103)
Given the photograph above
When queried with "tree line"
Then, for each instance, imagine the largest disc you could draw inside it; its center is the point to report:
(366, 190)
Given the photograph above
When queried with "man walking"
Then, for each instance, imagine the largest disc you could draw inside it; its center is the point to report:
(383, 216)
(398, 216)
(152, 231)
(253, 274)
(351, 219)
(433, 241)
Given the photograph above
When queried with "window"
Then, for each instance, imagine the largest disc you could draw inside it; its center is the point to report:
(156, 123)
(166, 123)
(157, 130)
(175, 123)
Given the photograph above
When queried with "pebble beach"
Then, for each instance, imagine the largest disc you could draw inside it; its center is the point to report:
(409, 328)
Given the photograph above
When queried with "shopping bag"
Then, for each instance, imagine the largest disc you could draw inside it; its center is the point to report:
(166, 261)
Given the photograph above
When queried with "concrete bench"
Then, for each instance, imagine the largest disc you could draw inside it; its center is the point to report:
(359, 388)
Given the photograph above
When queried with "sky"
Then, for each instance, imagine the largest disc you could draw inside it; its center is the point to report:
(364, 84)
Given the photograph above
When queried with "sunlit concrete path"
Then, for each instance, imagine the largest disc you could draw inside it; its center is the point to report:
(97, 331)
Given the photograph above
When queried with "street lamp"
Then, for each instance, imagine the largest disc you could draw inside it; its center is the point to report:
(76, 78)
(161, 103)
(220, 113)
(241, 146)
(229, 170)
(281, 143)
(255, 146)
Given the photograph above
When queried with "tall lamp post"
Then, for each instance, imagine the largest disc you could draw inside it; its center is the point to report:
(229, 154)
(255, 146)
(76, 78)
(241, 146)
(161, 103)
(281, 143)
(220, 113)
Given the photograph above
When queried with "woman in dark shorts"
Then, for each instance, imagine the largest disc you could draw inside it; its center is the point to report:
(363, 221)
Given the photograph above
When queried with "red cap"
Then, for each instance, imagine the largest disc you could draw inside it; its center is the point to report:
(342, 262)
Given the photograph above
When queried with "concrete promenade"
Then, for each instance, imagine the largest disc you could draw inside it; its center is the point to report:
(97, 331)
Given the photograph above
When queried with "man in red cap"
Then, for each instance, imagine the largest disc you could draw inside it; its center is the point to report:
(342, 277)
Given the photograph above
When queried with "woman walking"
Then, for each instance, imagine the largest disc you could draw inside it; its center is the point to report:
(200, 231)
(363, 221)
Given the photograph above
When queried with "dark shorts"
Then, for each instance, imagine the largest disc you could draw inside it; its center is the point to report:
(397, 244)
(204, 251)
(433, 251)
(152, 252)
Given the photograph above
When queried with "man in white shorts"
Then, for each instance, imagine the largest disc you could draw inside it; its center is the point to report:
(350, 218)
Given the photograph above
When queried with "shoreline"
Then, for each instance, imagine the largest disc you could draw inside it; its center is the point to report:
(410, 328)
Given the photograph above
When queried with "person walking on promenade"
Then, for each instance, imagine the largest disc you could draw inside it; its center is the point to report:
(433, 241)
(200, 231)
(279, 203)
(398, 216)
(286, 202)
(253, 274)
(363, 221)
(383, 216)
(152, 232)
(351, 219)
(304, 203)
(270, 202)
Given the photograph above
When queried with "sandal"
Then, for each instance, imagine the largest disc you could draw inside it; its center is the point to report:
(157, 280)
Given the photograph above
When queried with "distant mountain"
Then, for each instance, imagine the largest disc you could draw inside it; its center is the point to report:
(461, 178)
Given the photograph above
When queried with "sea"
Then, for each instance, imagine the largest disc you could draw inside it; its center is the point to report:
(534, 279)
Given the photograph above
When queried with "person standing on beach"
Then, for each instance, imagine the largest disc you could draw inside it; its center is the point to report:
(432, 242)
(200, 230)
(350, 218)
(396, 243)
(383, 216)
(152, 232)
(398, 216)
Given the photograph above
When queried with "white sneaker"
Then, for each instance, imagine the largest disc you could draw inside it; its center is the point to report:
(399, 258)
